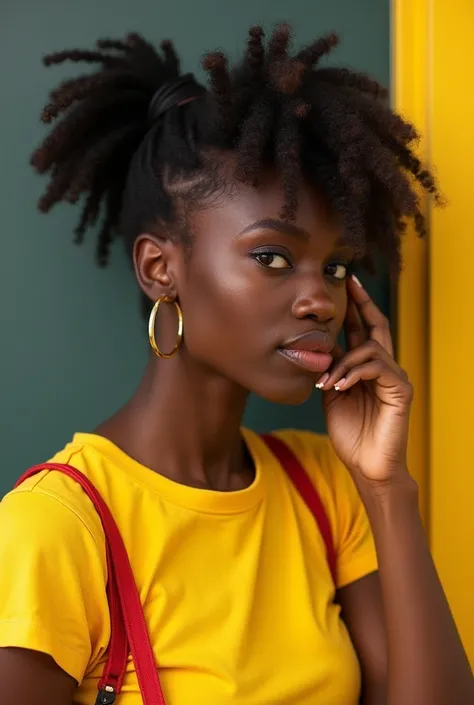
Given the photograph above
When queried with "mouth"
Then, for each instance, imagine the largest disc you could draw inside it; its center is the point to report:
(310, 351)
(312, 361)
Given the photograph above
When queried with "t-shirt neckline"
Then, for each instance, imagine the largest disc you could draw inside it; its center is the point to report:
(197, 499)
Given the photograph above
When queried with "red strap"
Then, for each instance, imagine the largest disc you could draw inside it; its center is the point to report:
(128, 627)
(308, 492)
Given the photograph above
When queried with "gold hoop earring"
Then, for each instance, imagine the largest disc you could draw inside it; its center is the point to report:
(151, 327)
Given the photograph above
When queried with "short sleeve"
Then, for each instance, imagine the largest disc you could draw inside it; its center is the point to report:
(352, 535)
(53, 577)
(356, 554)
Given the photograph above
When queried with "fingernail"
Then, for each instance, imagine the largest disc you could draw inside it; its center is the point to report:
(357, 281)
(322, 381)
(340, 384)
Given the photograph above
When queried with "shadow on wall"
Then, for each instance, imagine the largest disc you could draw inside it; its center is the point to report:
(73, 343)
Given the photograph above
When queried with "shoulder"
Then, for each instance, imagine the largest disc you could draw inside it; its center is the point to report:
(318, 457)
(52, 543)
(355, 548)
(52, 506)
(327, 472)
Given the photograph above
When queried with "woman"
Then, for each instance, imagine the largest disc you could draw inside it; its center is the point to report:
(243, 208)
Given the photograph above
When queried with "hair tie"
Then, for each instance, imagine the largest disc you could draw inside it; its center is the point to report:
(173, 93)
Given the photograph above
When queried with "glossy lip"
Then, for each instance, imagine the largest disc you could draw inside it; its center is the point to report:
(310, 351)
(314, 341)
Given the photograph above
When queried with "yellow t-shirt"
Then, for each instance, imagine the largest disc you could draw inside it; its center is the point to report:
(235, 586)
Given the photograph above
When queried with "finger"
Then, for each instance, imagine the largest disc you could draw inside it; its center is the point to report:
(370, 350)
(375, 370)
(337, 355)
(377, 324)
(354, 330)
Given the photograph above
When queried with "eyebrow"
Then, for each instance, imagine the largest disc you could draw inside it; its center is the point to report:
(280, 226)
(286, 228)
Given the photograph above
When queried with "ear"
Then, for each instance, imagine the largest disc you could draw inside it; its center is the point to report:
(155, 261)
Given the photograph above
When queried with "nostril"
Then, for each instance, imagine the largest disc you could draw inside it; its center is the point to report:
(315, 303)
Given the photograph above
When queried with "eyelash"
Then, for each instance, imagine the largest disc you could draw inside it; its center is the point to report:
(273, 253)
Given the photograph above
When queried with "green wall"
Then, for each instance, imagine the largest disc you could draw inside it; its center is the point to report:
(72, 343)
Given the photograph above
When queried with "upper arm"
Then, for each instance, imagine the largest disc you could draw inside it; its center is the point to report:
(28, 677)
(53, 597)
(354, 542)
(362, 612)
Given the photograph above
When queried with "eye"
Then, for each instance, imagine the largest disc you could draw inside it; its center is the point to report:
(272, 260)
(336, 271)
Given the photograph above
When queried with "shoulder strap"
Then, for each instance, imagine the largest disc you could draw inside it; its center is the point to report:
(308, 492)
(128, 627)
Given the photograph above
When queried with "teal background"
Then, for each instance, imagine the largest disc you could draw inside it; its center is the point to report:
(72, 342)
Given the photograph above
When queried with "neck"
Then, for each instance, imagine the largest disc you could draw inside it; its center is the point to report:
(184, 422)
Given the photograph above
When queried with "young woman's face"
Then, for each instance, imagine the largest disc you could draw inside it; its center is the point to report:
(255, 289)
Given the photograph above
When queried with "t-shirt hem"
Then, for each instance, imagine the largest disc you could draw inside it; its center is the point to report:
(21, 634)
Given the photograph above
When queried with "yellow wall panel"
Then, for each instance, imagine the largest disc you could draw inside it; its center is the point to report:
(433, 59)
(451, 309)
(410, 90)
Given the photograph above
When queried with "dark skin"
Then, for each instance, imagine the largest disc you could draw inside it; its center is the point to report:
(240, 303)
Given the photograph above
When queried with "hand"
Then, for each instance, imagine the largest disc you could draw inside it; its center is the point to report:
(367, 396)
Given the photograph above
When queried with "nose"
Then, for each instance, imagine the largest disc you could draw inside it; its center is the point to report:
(314, 300)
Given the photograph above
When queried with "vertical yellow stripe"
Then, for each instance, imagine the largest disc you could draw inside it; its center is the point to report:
(451, 304)
(410, 97)
(433, 59)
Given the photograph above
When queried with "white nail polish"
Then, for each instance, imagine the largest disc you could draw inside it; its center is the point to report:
(318, 385)
(357, 281)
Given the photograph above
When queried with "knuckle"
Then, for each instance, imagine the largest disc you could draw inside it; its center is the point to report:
(404, 376)
(406, 387)
(374, 346)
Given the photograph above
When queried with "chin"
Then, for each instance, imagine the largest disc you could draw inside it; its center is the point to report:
(291, 392)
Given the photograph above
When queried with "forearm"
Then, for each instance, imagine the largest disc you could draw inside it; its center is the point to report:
(427, 664)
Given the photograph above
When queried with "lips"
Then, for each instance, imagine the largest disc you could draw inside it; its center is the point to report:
(310, 351)
(315, 341)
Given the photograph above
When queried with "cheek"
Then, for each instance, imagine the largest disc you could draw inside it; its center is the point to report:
(217, 308)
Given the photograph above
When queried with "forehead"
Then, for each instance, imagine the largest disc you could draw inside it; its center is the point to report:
(242, 205)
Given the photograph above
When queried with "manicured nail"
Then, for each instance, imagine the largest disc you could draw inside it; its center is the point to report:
(357, 281)
(322, 381)
(340, 384)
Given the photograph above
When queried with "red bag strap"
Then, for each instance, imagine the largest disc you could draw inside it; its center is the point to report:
(128, 627)
(308, 492)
